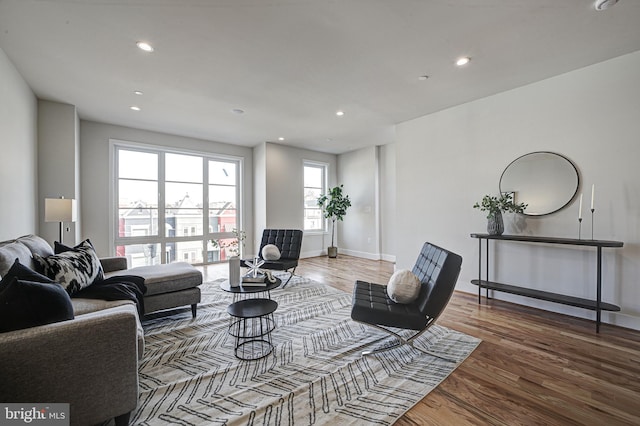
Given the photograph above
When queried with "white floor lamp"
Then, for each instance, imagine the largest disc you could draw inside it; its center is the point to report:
(60, 210)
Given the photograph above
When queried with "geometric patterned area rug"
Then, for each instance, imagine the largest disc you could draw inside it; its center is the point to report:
(314, 376)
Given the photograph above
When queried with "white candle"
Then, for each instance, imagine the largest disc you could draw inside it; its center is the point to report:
(580, 211)
(593, 191)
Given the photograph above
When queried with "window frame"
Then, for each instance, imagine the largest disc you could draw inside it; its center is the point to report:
(324, 167)
(162, 237)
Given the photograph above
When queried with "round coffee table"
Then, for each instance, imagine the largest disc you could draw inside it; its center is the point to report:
(251, 318)
(250, 289)
(251, 325)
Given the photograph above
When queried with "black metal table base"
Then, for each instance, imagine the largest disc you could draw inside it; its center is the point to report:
(252, 322)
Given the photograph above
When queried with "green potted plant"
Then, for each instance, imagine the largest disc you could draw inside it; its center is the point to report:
(334, 204)
(495, 206)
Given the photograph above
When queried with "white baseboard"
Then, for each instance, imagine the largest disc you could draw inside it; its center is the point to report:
(313, 253)
(388, 257)
(362, 254)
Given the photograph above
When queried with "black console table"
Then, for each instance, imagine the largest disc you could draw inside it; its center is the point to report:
(595, 305)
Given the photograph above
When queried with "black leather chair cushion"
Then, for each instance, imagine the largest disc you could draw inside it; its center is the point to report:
(372, 305)
(288, 241)
(280, 264)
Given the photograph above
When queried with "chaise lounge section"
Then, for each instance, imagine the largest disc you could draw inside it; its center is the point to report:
(169, 285)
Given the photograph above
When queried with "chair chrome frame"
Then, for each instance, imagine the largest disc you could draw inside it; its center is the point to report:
(401, 341)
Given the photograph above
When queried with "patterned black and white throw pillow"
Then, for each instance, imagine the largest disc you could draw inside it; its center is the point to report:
(74, 269)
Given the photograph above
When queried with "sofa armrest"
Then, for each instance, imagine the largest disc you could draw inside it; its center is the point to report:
(115, 263)
(90, 362)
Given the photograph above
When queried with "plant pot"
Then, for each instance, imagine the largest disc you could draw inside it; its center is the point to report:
(332, 252)
(495, 224)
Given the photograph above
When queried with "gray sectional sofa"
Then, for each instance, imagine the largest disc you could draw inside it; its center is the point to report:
(91, 361)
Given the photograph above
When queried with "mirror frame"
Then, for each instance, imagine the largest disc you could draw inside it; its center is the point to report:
(552, 153)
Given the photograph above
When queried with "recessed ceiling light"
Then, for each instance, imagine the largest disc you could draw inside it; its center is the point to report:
(237, 111)
(137, 92)
(280, 138)
(463, 61)
(143, 45)
(423, 77)
(135, 108)
(339, 113)
(604, 4)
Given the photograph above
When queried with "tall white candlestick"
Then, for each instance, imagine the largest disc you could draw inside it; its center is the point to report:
(593, 192)
(580, 211)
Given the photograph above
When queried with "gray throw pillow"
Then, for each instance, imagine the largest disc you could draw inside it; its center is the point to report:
(270, 252)
(74, 269)
(403, 287)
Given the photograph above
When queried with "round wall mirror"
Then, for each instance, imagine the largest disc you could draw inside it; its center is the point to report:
(545, 181)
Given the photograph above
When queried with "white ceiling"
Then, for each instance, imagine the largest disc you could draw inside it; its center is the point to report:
(291, 64)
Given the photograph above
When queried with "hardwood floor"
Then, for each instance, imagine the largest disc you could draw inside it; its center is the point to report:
(533, 367)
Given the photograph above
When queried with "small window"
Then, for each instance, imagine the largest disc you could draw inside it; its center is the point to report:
(315, 178)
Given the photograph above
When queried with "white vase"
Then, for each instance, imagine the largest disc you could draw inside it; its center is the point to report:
(234, 271)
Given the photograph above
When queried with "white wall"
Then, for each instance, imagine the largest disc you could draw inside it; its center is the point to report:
(284, 201)
(18, 148)
(94, 156)
(359, 232)
(448, 160)
(388, 216)
(369, 228)
(58, 165)
(259, 194)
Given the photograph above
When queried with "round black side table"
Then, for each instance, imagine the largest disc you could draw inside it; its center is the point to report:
(251, 325)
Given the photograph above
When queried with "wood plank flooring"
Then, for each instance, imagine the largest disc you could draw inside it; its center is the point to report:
(533, 367)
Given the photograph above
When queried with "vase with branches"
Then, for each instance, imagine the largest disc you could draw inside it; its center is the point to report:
(495, 206)
(334, 205)
(234, 245)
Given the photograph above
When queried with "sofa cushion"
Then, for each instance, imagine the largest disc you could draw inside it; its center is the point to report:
(36, 244)
(10, 252)
(25, 304)
(165, 278)
(83, 306)
(23, 249)
(74, 269)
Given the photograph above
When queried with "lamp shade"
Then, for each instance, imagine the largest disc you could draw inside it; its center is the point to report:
(59, 210)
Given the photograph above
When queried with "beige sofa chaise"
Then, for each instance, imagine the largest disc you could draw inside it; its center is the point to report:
(91, 361)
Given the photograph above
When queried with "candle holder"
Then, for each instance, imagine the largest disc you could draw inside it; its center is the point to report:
(579, 228)
(592, 211)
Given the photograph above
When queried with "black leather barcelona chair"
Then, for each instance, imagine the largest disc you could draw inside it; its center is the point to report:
(438, 270)
(289, 242)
